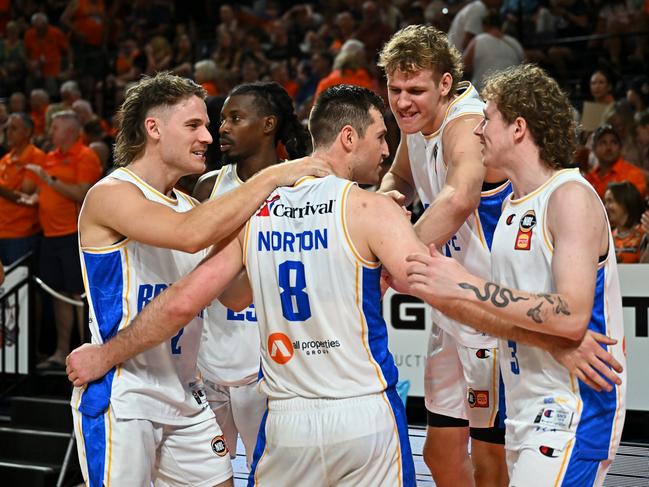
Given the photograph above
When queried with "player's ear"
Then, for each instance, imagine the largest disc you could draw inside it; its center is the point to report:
(348, 137)
(445, 84)
(520, 128)
(152, 127)
(270, 124)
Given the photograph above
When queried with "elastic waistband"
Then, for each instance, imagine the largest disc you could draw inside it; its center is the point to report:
(304, 404)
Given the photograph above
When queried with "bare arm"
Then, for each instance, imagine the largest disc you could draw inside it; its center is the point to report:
(204, 186)
(579, 237)
(460, 195)
(74, 191)
(161, 318)
(399, 177)
(155, 224)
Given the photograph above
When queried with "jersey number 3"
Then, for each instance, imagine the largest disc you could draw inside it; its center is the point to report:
(292, 282)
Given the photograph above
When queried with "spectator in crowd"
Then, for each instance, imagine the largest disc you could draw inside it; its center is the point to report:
(601, 87)
(45, 48)
(611, 167)
(205, 74)
(624, 207)
(39, 100)
(644, 224)
(13, 63)
(372, 31)
(19, 225)
(350, 67)
(66, 176)
(86, 22)
(343, 30)
(491, 51)
(279, 74)
(637, 94)
(226, 53)
(468, 22)
(4, 118)
(69, 93)
(17, 102)
(183, 55)
(642, 139)
(158, 55)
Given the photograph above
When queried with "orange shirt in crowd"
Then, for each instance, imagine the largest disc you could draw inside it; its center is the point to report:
(211, 88)
(619, 172)
(58, 214)
(18, 221)
(48, 49)
(357, 77)
(291, 88)
(88, 20)
(38, 118)
(627, 245)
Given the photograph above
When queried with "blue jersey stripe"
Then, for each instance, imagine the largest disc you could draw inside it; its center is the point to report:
(489, 212)
(260, 447)
(377, 331)
(94, 437)
(407, 463)
(580, 472)
(106, 287)
(599, 408)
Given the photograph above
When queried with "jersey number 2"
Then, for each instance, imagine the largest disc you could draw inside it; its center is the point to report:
(176, 349)
(295, 300)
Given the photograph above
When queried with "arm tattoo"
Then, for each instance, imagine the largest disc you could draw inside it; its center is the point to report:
(561, 308)
(535, 313)
(500, 297)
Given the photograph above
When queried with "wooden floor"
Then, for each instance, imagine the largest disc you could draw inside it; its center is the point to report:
(630, 468)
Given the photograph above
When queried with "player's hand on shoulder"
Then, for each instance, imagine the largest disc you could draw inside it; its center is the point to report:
(86, 364)
(590, 362)
(287, 173)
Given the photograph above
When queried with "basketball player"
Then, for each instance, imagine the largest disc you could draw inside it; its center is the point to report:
(147, 420)
(312, 255)
(254, 118)
(439, 159)
(554, 273)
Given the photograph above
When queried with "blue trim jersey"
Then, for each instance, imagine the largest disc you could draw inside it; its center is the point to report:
(471, 243)
(159, 384)
(318, 301)
(229, 353)
(546, 405)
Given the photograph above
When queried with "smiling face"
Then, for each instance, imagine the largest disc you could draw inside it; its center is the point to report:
(496, 135)
(371, 151)
(241, 129)
(416, 100)
(183, 134)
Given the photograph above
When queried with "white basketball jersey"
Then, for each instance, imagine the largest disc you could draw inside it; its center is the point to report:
(318, 300)
(470, 244)
(546, 405)
(229, 352)
(120, 279)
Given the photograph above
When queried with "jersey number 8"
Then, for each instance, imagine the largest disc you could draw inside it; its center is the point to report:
(295, 300)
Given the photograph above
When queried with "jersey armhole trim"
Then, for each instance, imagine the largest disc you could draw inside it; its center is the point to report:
(217, 183)
(343, 218)
(244, 250)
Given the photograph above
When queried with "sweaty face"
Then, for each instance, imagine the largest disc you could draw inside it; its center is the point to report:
(414, 100)
(607, 149)
(372, 150)
(495, 135)
(183, 135)
(241, 129)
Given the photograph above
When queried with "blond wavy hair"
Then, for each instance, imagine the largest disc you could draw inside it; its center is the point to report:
(419, 47)
(527, 91)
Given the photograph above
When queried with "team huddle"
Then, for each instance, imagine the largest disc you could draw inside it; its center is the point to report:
(526, 356)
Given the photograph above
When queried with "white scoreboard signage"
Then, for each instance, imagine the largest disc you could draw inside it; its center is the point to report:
(409, 323)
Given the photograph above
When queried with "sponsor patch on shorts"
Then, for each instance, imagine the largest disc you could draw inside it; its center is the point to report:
(478, 399)
(219, 447)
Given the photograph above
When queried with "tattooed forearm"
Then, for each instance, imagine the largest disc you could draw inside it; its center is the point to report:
(499, 296)
(535, 313)
(561, 308)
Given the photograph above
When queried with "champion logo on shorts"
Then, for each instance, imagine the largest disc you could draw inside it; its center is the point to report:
(280, 348)
(548, 452)
(478, 399)
(483, 353)
(219, 447)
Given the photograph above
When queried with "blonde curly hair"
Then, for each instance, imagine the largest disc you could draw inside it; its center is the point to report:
(527, 91)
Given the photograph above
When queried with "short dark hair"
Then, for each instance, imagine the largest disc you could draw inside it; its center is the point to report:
(629, 197)
(163, 89)
(602, 130)
(339, 106)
